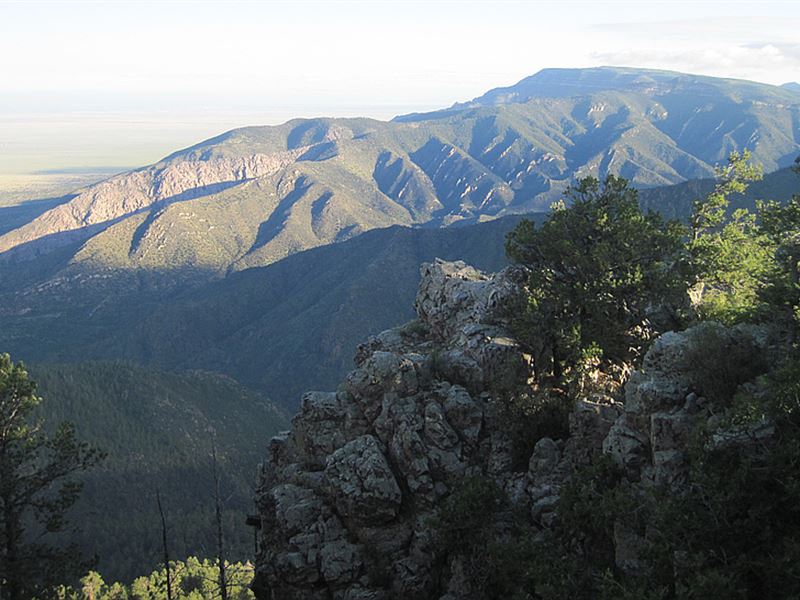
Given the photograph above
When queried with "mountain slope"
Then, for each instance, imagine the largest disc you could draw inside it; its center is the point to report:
(279, 329)
(157, 429)
(255, 195)
(675, 202)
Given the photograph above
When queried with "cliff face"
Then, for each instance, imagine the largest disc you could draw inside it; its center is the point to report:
(348, 495)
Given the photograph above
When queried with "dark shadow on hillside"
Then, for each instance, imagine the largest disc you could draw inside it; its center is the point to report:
(274, 224)
(320, 152)
(12, 217)
(157, 208)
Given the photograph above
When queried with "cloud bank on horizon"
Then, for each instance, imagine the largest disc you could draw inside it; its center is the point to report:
(95, 84)
(242, 54)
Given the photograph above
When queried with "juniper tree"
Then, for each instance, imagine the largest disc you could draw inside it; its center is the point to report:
(730, 255)
(599, 269)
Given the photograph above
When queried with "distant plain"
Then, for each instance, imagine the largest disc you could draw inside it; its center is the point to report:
(49, 154)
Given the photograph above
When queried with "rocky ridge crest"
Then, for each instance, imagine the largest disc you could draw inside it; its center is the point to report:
(348, 495)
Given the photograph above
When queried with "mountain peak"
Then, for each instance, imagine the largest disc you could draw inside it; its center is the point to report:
(570, 82)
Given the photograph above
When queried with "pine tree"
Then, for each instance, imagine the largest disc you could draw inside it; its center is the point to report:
(36, 489)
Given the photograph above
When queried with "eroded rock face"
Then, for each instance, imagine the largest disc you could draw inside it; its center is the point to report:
(651, 437)
(361, 484)
(347, 496)
(662, 407)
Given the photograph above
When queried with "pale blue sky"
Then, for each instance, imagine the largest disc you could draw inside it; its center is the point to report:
(207, 66)
(239, 54)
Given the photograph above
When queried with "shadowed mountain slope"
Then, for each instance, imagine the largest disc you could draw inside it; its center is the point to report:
(157, 429)
(279, 329)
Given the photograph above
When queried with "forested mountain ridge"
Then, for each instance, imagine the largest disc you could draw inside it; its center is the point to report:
(157, 429)
(277, 329)
(254, 195)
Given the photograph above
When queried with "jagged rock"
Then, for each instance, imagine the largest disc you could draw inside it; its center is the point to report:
(347, 497)
(295, 508)
(627, 447)
(383, 373)
(751, 436)
(669, 438)
(448, 296)
(361, 483)
(319, 428)
(661, 407)
(545, 458)
(500, 457)
(340, 561)
(464, 414)
(359, 593)
(438, 431)
(589, 424)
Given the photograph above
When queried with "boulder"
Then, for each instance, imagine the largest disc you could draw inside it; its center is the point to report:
(361, 484)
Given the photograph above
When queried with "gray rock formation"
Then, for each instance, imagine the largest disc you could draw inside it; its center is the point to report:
(347, 495)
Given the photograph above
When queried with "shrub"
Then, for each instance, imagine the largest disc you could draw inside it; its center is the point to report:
(718, 361)
(529, 416)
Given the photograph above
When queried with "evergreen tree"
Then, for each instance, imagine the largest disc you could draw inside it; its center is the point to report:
(599, 270)
(730, 255)
(36, 490)
(780, 223)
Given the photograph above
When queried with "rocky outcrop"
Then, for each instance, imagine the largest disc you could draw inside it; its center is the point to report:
(665, 401)
(347, 496)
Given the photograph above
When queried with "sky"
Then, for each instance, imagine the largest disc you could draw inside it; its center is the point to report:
(119, 82)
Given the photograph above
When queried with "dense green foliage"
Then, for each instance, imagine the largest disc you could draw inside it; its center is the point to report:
(157, 428)
(746, 263)
(729, 254)
(192, 579)
(780, 224)
(597, 271)
(38, 486)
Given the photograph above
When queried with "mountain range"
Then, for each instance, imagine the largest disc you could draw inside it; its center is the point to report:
(263, 256)
(285, 327)
(255, 195)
